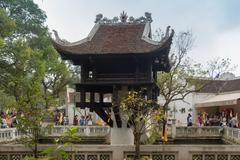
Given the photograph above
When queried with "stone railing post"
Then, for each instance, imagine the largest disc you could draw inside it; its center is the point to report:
(173, 128)
(13, 133)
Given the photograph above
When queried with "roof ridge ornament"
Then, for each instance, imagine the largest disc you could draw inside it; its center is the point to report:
(98, 17)
(58, 39)
(124, 19)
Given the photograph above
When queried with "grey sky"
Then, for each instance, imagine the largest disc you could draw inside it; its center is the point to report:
(214, 23)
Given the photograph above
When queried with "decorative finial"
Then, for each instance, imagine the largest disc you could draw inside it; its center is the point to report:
(98, 17)
(58, 39)
(123, 17)
(56, 35)
(167, 34)
(148, 16)
(131, 19)
(115, 19)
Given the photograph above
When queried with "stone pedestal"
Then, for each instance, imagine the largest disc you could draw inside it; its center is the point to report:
(122, 136)
(173, 127)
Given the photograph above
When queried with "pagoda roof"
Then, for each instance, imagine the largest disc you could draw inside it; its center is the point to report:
(113, 37)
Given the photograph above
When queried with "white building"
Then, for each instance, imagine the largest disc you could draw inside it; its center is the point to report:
(218, 95)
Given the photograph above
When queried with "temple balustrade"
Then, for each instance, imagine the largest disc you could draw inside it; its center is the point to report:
(232, 134)
(208, 132)
(199, 132)
(10, 134)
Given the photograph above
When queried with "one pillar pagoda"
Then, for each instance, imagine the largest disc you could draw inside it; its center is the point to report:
(118, 55)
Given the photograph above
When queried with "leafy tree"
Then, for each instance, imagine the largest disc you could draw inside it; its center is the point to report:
(29, 18)
(7, 26)
(58, 152)
(140, 114)
(31, 70)
(30, 29)
(6, 101)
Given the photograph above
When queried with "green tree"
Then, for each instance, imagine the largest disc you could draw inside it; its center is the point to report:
(31, 70)
(140, 114)
(58, 152)
(7, 26)
(6, 101)
(29, 18)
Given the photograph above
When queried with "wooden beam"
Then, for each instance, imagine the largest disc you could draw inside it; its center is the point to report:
(83, 105)
(92, 97)
(106, 118)
(117, 116)
(83, 96)
(101, 97)
(94, 88)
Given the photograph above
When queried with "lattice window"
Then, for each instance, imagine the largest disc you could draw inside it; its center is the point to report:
(69, 156)
(209, 157)
(222, 157)
(41, 155)
(157, 157)
(197, 157)
(79, 157)
(92, 157)
(15, 157)
(130, 157)
(3, 157)
(104, 157)
(27, 155)
(235, 157)
(169, 157)
(145, 157)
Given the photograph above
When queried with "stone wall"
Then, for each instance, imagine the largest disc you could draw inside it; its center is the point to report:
(120, 152)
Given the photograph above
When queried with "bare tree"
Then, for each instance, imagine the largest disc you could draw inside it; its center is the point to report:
(185, 76)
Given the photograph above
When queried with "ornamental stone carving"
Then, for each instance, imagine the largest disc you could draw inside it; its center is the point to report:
(123, 18)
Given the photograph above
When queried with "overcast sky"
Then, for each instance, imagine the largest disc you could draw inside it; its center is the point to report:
(214, 23)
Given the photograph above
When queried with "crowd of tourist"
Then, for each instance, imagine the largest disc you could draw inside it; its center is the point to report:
(61, 119)
(83, 121)
(218, 119)
(8, 120)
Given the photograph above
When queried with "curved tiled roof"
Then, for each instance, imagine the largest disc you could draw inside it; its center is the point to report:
(115, 39)
(217, 86)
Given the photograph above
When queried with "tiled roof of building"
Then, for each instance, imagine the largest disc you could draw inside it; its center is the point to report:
(217, 86)
(116, 38)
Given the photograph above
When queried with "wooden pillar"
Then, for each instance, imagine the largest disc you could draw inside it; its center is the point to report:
(137, 68)
(149, 93)
(116, 110)
(92, 100)
(155, 76)
(92, 97)
(101, 98)
(83, 96)
(149, 70)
